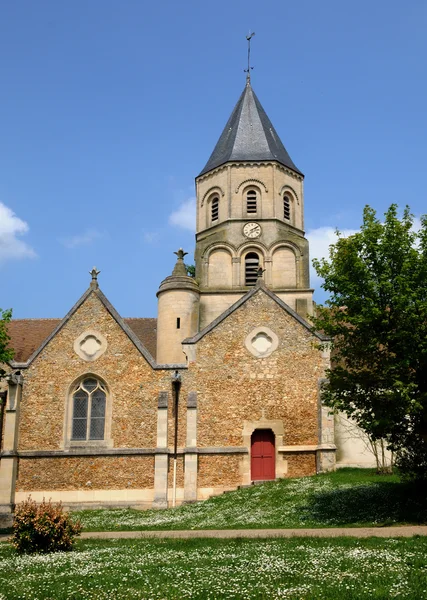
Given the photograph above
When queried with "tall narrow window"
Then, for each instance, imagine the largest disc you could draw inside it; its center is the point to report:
(89, 402)
(215, 209)
(251, 268)
(286, 208)
(251, 202)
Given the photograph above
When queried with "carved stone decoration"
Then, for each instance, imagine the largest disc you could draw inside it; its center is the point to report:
(90, 345)
(261, 342)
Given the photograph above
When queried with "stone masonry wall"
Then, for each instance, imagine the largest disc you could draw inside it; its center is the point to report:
(234, 386)
(89, 472)
(300, 465)
(131, 381)
(219, 470)
(133, 387)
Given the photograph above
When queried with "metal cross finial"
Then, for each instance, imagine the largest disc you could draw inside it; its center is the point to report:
(248, 70)
(94, 273)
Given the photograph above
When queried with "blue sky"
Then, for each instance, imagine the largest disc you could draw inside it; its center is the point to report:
(109, 109)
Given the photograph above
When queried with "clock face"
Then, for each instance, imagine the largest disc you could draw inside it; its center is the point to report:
(252, 230)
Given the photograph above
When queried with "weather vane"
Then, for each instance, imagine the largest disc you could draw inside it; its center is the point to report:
(248, 70)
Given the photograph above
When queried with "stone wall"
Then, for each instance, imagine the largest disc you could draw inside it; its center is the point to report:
(218, 471)
(132, 385)
(94, 472)
(230, 389)
(235, 387)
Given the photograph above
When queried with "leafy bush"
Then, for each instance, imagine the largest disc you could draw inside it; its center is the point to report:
(43, 527)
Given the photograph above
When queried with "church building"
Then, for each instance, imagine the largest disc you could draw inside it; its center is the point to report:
(221, 390)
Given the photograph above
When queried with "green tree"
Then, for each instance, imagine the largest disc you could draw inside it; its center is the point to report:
(191, 270)
(6, 353)
(376, 316)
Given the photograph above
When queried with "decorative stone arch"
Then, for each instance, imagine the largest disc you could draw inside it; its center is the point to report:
(276, 426)
(290, 191)
(250, 183)
(216, 246)
(294, 247)
(244, 260)
(279, 278)
(252, 245)
(254, 190)
(106, 442)
(212, 190)
(218, 266)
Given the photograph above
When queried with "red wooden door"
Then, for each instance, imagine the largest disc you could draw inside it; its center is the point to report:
(263, 464)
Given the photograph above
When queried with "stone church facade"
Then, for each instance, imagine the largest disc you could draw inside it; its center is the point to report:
(221, 390)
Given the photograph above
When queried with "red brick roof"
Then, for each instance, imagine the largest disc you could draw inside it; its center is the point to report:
(27, 335)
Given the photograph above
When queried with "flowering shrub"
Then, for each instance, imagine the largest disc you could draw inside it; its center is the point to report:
(43, 527)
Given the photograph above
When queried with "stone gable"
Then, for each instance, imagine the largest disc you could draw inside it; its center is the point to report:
(131, 381)
(235, 386)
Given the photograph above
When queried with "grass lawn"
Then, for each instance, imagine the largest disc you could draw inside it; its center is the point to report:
(348, 497)
(298, 568)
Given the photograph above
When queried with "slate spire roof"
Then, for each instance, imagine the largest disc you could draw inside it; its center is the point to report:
(249, 135)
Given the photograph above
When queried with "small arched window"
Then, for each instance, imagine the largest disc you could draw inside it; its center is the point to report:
(215, 208)
(286, 207)
(251, 202)
(251, 268)
(89, 400)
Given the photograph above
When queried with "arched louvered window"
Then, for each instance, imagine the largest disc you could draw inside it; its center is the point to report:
(89, 400)
(251, 202)
(215, 209)
(251, 268)
(286, 208)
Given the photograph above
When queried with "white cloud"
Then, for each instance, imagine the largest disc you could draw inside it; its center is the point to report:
(12, 248)
(185, 216)
(84, 239)
(320, 239)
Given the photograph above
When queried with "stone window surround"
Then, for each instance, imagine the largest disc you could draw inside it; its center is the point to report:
(253, 350)
(81, 339)
(288, 202)
(209, 221)
(276, 426)
(68, 443)
(245, 213)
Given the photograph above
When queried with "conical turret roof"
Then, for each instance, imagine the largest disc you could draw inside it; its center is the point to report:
(249, 136)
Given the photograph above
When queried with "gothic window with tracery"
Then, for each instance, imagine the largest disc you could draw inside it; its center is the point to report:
(89, 400)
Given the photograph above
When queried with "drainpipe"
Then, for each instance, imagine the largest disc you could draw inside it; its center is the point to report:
(176, 386)
(2, 407)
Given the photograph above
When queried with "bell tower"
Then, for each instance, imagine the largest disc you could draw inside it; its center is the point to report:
(250, 215)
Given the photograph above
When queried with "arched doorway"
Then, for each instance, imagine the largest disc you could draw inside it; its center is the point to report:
(263, 461)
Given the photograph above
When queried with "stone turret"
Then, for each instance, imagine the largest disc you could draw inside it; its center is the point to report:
(178, 312)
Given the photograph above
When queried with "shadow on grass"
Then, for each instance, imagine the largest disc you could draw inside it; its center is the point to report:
(383, 503)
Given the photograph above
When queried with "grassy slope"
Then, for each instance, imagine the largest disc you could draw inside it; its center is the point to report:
(210, 569)
(348, 497)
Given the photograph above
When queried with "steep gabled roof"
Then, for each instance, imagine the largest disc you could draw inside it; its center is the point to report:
(249, 136)
(39, 340)
(260, 287)
(27, 335)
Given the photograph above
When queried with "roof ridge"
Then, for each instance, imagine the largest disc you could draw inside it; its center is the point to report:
(37, 319)
(154, 318)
